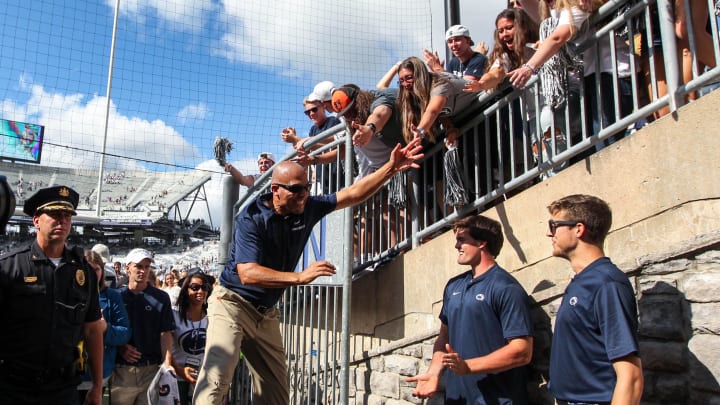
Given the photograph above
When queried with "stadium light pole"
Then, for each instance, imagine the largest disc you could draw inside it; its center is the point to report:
(107, 108)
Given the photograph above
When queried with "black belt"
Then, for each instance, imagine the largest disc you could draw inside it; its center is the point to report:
(40, 376)
(142, 363)
(263, 309)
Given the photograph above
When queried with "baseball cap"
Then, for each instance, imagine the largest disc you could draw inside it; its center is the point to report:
(60, 198)
(137, 255)
(343, 99)
(266, 155)
(103, 251)
(458, 31)
(322, 91)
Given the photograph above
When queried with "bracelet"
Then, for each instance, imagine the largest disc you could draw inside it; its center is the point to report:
(532, 69)
(422, 132)
(372, 127)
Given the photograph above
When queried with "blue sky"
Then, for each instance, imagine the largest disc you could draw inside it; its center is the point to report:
(187, 71)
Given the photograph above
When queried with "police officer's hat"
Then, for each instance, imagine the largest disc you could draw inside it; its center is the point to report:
(60, 198)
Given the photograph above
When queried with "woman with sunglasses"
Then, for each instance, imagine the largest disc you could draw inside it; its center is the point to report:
(117, 332)
(190, 331)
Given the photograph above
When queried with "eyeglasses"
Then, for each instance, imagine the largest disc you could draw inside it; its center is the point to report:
(197, 287)
(294, 188)
(553, 225)
(311, 111)
(406, 79)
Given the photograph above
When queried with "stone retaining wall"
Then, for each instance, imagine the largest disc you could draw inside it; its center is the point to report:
(678, 300)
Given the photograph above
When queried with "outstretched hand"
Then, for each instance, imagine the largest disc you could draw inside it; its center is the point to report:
(405, 158)
(427, 385)
(433, 61)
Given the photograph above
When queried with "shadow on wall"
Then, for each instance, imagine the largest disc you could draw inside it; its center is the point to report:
(671, 349)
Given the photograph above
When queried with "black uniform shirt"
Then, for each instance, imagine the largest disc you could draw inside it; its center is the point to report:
(43, 308)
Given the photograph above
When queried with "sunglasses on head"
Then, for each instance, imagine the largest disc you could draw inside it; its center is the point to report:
(196, 287)
(294, 188)
(311, 111)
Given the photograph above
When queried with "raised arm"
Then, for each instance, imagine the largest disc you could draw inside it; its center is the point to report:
(549, 47)
(400, 159)
(239, 178)
(385, 81)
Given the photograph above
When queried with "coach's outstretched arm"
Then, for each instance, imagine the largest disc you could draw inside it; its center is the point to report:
(400, 159)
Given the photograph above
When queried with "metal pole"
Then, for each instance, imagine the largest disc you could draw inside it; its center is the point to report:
(230, 196)
(452, 17)
(347, 283)
(107, 108)
(672, 74)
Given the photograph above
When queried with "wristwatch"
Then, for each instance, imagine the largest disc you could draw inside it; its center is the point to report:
(422, 132)
(372, 127)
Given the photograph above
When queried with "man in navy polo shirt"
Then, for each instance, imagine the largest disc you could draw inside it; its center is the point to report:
(486, 333)
(594, 357)
(268, 240)
(152, 324)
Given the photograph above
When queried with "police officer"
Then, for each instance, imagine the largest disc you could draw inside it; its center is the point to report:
(48, 303)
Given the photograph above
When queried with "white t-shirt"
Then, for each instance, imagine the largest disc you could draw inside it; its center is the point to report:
(189, 341)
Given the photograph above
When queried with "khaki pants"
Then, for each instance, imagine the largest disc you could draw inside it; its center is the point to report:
(235, 325)
(130, 384)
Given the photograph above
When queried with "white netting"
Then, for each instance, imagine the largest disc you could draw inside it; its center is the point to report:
(185, 72)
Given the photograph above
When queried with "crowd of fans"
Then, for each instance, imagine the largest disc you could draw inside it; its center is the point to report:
(578, 94)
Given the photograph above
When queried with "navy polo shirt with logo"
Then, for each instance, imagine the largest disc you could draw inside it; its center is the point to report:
(481, 314)
(596, 324)
(276, 241)
(150, 314)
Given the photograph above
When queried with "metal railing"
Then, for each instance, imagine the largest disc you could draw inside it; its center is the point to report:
(502, 152)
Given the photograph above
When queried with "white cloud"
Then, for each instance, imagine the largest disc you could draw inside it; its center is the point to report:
(193, 112)
(189, 15)
(74, 131)
(324, 38)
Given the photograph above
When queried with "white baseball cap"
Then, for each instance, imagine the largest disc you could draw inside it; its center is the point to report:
(458, 31)
(266, 155)
(138, 255)
(322, 91)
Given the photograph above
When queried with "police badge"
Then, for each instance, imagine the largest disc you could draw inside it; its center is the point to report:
(80, 277)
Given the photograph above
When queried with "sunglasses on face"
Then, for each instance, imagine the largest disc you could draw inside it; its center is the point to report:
(311, 111)
(198, 287)
(553, 225)
(294, 188)
(406, 79)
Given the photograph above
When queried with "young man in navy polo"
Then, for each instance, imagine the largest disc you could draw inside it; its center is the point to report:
(486, 333)
(594, 357)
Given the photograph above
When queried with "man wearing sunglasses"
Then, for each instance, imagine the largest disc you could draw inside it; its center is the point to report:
(594, 357)
(269, 237)
(314, 110)
(265, 161)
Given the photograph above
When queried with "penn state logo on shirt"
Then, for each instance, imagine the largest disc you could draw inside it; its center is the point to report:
(480, 297)
(573, 301)
(193, 341)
